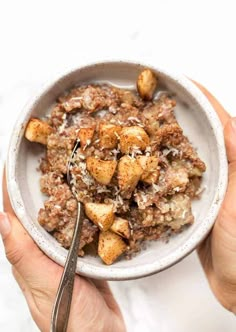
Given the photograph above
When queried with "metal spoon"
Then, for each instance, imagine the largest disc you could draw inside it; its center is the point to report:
(61, 308)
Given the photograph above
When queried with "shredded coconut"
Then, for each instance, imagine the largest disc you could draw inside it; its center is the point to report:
(174, 151)
(156, 188)
(200, 190)
(135, 151)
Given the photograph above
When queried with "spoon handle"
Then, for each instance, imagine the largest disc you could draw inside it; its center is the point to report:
(61, 309)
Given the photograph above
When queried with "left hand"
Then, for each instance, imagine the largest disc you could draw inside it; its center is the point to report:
(93, 306)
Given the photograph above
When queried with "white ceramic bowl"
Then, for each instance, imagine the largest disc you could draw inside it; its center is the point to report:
(200, 124)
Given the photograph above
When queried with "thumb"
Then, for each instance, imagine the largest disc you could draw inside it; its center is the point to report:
(20, 249)
(28, 261)
(230, 141)
(18, 245)
(228, 211)
(22, 252)
(224, 231)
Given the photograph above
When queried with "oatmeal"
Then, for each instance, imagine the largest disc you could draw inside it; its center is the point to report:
(135, 172)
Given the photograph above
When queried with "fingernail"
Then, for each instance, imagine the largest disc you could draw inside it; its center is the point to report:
(233, 122)
(5, 226)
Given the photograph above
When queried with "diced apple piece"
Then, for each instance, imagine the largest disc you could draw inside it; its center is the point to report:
(110, 247)
(133, 137)
(176, 179)
(85, 136)
(101, 170)
(129, 173)
(146, 84)
(38, 131)
(100, 214)
(149, 165)
(195, 171)
(108, 135)
(121, 227)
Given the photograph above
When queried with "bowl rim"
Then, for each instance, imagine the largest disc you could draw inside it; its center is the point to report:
(111, 272)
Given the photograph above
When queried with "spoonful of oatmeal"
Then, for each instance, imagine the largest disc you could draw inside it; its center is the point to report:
(61, 309)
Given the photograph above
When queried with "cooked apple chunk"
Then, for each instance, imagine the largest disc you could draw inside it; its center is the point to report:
(100, 214)
(129, 173)
(85, 136)
(38, 131)
(177, 179)
(195, 171)
(108, 135)
(121, 227)
(146, 84)
(110, 247)
(150, 168)
(101, 170)
(132, 138)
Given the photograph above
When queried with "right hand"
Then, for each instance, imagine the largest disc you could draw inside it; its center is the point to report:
(218, 252)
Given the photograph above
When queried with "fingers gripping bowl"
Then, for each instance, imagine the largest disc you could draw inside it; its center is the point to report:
(199, 124)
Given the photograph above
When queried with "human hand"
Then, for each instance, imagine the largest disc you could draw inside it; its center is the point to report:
(218, 252)
(93, 306)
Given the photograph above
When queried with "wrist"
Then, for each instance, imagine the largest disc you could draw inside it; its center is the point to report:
(225, 293)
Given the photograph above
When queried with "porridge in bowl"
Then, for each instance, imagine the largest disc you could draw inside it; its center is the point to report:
(135, 172)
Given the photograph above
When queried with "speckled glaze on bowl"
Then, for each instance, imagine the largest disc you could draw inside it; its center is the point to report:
(200, 124)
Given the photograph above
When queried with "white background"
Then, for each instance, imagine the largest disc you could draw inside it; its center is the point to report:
(39, 39)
